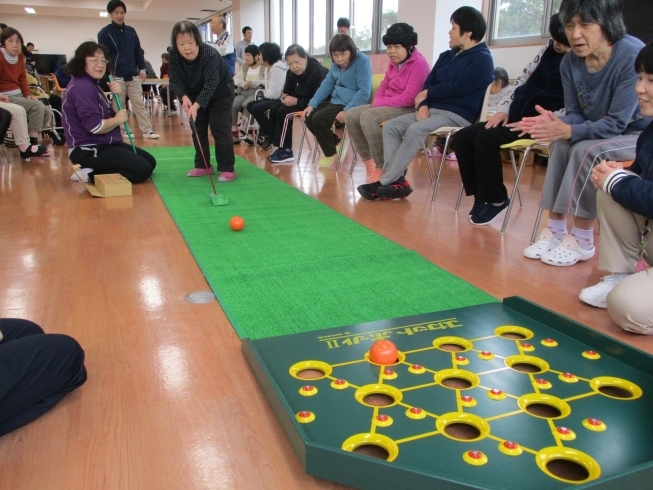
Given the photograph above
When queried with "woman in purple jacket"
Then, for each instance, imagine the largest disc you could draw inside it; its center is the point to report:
(403, 80)
(92, 128)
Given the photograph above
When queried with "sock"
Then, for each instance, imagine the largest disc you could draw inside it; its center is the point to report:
(585, 238)
(370, 166)
(558, 227)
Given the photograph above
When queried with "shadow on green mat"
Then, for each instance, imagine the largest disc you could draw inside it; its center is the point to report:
(298, 265)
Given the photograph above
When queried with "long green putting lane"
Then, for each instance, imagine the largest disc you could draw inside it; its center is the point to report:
(298, 265)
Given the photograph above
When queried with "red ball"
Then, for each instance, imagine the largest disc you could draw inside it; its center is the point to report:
(237, 223)
(383, 352)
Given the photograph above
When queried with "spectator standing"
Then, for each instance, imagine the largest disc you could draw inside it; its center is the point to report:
(241, 45)
(225, 42)
(343, 25)
(129, 70)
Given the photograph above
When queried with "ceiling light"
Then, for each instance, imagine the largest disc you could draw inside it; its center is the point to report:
(104, 14)
(30, 10)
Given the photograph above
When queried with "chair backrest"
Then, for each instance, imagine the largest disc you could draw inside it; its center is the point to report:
(486, 102)
(376, 83)
(56, 83)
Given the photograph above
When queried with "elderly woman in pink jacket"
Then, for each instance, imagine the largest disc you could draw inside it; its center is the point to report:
(403, 80)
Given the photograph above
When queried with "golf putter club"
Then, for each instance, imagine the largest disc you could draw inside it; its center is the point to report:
(216, 199)
(119, 105)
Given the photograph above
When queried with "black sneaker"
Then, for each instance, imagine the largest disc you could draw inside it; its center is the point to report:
(249, 141)
(368, 191)
(487, 213)
(266, 144)
(396, 190)
(261, 139)
(282, 155)
(478, 204)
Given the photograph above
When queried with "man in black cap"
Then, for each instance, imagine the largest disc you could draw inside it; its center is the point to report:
(477, 146)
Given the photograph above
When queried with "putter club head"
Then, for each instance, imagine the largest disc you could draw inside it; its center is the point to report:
(219, 200)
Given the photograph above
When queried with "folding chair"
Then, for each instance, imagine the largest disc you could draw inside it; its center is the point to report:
(448, 132)
(526, 146)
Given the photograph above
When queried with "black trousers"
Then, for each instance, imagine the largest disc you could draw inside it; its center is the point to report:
(164, 98)
(479, 159)
(37, 371)
(217, 117)
(277, 118)
(258, 108)
(115, 159)
(320, 122)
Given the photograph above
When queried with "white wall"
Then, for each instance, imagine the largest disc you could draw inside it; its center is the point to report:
(514, 59)
(420, 15)
(443, 11)
(62, 35)
(249, 13)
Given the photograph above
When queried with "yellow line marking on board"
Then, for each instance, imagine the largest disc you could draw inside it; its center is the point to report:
(420, 436)
(503, 415)
(493, 371)
(578, 397)
(348, 363)
(410, 388)
(483, 338)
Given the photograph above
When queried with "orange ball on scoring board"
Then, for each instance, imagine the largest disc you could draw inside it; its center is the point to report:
(383, 352)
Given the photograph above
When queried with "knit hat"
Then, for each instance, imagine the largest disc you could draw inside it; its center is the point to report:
(557, 30)
(400, 33)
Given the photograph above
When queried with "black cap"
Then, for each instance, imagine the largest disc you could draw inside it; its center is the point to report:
(400, 33)
(557, 30)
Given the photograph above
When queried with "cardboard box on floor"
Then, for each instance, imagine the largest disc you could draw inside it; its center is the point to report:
(108, 185)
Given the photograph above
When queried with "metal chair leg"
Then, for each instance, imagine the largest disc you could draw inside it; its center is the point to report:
(4, 149)
(460, 197)
(514, 169)
(315, 150)
(301, 144)
(515, 188)
(537, 225)
(343, 141)
(439, 175)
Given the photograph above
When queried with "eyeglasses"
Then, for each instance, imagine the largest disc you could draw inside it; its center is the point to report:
(96, 61)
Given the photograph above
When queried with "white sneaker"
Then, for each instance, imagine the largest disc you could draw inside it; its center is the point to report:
(151, 135)
(545, 242)
(597, 295)
(83, 175)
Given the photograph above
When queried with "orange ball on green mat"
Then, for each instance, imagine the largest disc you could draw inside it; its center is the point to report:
(383, 352)
(237, 223)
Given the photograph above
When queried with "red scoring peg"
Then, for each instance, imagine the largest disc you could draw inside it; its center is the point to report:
(510, 445)
(340, 381)
(594, 422)
(382, 418)
(495, 391)
(475, 454)
(466, 398)
(304, 414)
(416, 410)
(416, 367)
(308, 388)
(461, 358)
(563, 430)
(568, 375)
(541, 381)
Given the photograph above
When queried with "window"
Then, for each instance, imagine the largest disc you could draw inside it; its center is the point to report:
(388, 17)
(312, 23)
(520, 21)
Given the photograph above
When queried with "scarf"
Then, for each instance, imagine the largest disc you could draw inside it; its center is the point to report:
(12, 60)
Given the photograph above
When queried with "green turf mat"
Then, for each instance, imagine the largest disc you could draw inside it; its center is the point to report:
(298, 265)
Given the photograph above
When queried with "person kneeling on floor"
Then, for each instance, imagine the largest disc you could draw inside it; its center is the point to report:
(38, 370)
(625, 208)
(91, 127)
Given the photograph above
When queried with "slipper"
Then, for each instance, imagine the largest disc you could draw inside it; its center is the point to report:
(567, 253)
(545, 242)
(199, 172)
(227, 176)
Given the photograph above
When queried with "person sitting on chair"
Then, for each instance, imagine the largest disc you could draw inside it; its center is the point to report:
(274, 81)
(18, 125)
(625, 210)
(247, 81)
(347, 85)
(395, 97)
(38, 370)
(13, 84)
(452, 95)
(91, 127)
(478, 147)
(304, 77)
(602, 121)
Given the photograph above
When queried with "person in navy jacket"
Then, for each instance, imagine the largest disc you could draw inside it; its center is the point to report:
(452, 96)
(625, 210)
(91, 126)
(126, 54)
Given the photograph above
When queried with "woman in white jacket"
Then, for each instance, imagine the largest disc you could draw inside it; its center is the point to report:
(274, 82)
(247, 81)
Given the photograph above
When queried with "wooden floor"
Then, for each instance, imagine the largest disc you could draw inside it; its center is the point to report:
(170, 402)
